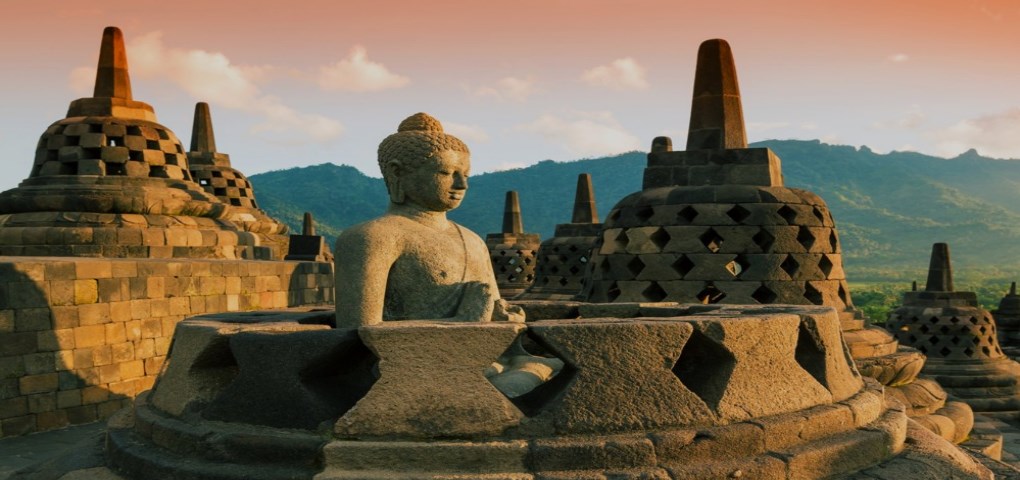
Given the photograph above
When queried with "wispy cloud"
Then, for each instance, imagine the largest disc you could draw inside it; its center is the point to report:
(357, 73)
(467, 133)
(512, 89)
(620, 74)
(584, 133)
(912, 119)
(994, 135)
(211, 77)
(898, 57)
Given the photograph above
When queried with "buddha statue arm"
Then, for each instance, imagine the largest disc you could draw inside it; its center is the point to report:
(363, 262)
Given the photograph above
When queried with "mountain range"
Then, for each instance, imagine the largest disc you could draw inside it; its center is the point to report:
(889, 208)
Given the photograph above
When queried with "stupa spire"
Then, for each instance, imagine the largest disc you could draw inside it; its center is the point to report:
(512, 222)
(202, 137)
(112, 79)
(717, 117)
(940, 271)
(584, 201)
(1012, 288)
(308, 225)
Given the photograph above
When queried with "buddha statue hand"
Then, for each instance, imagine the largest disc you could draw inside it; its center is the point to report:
(506, 312)
(477, 303)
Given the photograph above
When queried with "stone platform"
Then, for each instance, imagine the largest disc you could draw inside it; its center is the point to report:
(648, 391)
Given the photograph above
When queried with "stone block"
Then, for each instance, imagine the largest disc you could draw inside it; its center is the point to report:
(86, 291)
(459, 403)
(51, 420)
(718, 443)
(53, 340)
(83, 358)
(13, 407)
(592, 452)
(41, 383)
(25, 295)
(93, 314)
(89, 336)
(7, 321)
(102, 355)
(68, 398)
(82, 414)
(39, 363)
(33, 319)
(43, 402)
(442, 459)
(19, 343)
(120, 311)
(18, 425)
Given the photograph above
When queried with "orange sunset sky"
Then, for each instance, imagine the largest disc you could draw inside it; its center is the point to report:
(306, 82)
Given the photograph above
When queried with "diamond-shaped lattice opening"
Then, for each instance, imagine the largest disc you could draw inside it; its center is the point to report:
(924, 329)
(973, 320)
(843, 295)
(818, 214)
(763, 239)
(686, 215)
(704, 367)
(833, 241)
(790, 265)
(944, 330)
(922, 348)
(806, 238)
(613, 292)
(530, 374)
(635, 265)
(574, 270)
(738, 213)
(955, 340)
(621, 241)
(933, 340)
(644, 213)
(711, 240)
(738, 265)
(659, 238)
(976, 340)
(683, 265)
(945, 351)
(968, 352)
(563, 281)
(710, 294)
(951, 319)
(788, 214)
(982, 329)
(812, 294)
(825, 265)
(654, 293)
(986, 351)
(764, 296)
(810, 355)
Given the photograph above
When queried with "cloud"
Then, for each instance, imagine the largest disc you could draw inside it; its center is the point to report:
(357, 73)
(585, 134)
(507, 89)
(898, 57)
(911, 120)
(620, 74)
(993, 135)
(211, 77)
(467, 133)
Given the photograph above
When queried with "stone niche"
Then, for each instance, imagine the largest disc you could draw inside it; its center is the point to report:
(648, 391)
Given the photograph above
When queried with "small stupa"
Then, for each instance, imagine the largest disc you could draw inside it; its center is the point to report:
(214, 173)
(563, 259)
(512, 251)
(308, 246)
(108, 181)
(1007, 321)
(959, 338)
(716, 224)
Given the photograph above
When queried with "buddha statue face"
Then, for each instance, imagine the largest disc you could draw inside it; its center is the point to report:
(439, 183)
(423, 166)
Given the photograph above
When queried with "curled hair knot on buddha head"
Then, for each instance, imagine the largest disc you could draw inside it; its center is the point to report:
(419, 138)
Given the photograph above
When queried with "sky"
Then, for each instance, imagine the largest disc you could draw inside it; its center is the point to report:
(301, 83)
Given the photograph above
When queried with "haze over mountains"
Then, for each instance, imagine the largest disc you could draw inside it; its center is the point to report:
(889, 208)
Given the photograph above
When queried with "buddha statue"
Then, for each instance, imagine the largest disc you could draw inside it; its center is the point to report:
(413, 263)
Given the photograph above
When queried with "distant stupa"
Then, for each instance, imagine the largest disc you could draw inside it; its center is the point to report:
(108, 181)
(512, 251)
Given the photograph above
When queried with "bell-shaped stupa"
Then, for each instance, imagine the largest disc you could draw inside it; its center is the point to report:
(1007, 321)
(959, 338)
(716, 224)
(109, 181)
(214, 173)
(512, 251)
(563, 259)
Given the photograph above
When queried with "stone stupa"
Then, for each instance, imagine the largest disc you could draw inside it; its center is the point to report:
(212, 170)
(959, 338)
(563, 260)
(513, 250)
(108, 181)
(716, 224)
(1007, 322)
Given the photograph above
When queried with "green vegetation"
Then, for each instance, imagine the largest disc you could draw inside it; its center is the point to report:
(889, 208)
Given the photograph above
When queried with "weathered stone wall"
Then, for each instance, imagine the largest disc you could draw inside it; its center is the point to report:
(79, 338)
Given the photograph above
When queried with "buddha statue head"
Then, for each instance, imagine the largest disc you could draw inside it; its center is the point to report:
(423, 166)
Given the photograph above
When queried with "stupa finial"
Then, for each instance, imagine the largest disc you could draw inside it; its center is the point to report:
(1012, 288)
(940, 271)
(717, 117)
(584, 201)
(512, 222)
(112, 79)
(202, 137)
(308, 225)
